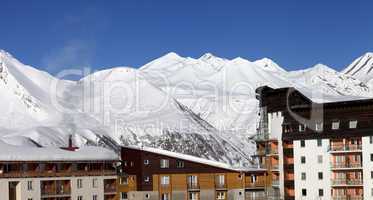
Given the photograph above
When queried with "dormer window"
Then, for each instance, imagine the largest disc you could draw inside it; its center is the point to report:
(302, 127)
(146, 162)
(287, 128)
(179, 164)
(352, 124)
(165, 163)
(319, 126)
(335, 125)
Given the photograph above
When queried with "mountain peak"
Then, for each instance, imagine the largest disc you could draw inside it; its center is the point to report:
(171, 55)
(321, 67)
(361, 68)
(269, 64)
(207, 56)
(368, 54)
(5, 53)
(240, 60)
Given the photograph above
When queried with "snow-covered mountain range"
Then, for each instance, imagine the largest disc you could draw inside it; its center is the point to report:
(204, 106)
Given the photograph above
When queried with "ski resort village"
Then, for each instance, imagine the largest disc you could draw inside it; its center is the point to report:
(191, 129)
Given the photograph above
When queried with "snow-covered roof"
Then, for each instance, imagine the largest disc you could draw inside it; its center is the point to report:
(191, 158)
(17, 153)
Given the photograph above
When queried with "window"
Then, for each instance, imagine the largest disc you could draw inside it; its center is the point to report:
(321, 192)
(80, 198)
(253, 178)
(220, 195)
(146, 162)
(94, 183)
(123, 196)
(303, 176)
(371, 174)
(193, 181)
(147, 179)
(302, 143)
(193, 196)
(320, 175)
(302, 127)
(29, 185)
(319, 159)
(165, 196)
(125, 163)
(80, 183)
(132, 164)
(287, 128)
(371, 191)
(123, 180)
(371, 157)
(29, 198)
(335, 125)
(165, 180)
(94, 197)
(165, 163)
(179, 164)
(147, 196)
(319, 142)
(352, 124)
(304, 192)
(221, 179)
(371, 139)
(303, 159)
(319, 126)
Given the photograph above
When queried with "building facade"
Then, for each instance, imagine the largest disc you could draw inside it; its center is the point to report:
(28, 173)
(322, 150)
(162, 175)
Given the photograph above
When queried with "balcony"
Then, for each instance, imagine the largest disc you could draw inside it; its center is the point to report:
(346, 165)
(55, 188)
(347, 182)
(110, 186)
(193, 186)
(259, 197)
(347, 197)
(220, 186)
(276, 183)
(16, 170)
(256, 184)
(345, 148)
(275, 167)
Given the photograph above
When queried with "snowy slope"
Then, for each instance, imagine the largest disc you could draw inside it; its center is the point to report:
(362, 68)
(202, 106)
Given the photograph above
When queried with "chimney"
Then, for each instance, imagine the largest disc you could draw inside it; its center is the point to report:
(70, 147)
(70, 141)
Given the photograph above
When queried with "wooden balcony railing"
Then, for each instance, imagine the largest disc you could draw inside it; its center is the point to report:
(220, 186)
(352, 182)
(51, 173)
(193, 186)
(275, 182)
(52, 191)
(346, 165)
(347, 197)
(110, 188)
(257, 184)
(349, 147)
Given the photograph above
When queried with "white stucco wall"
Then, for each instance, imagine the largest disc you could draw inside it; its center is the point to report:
(311, 151)
(367, 167)
(87, 191)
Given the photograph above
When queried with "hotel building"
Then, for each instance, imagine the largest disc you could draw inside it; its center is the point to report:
(163, 175)
(31, 173)
(314, 150)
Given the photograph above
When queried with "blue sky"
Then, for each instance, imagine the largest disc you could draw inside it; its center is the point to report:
(54, 35)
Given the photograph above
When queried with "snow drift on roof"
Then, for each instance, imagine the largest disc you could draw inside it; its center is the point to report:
(86, 153)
